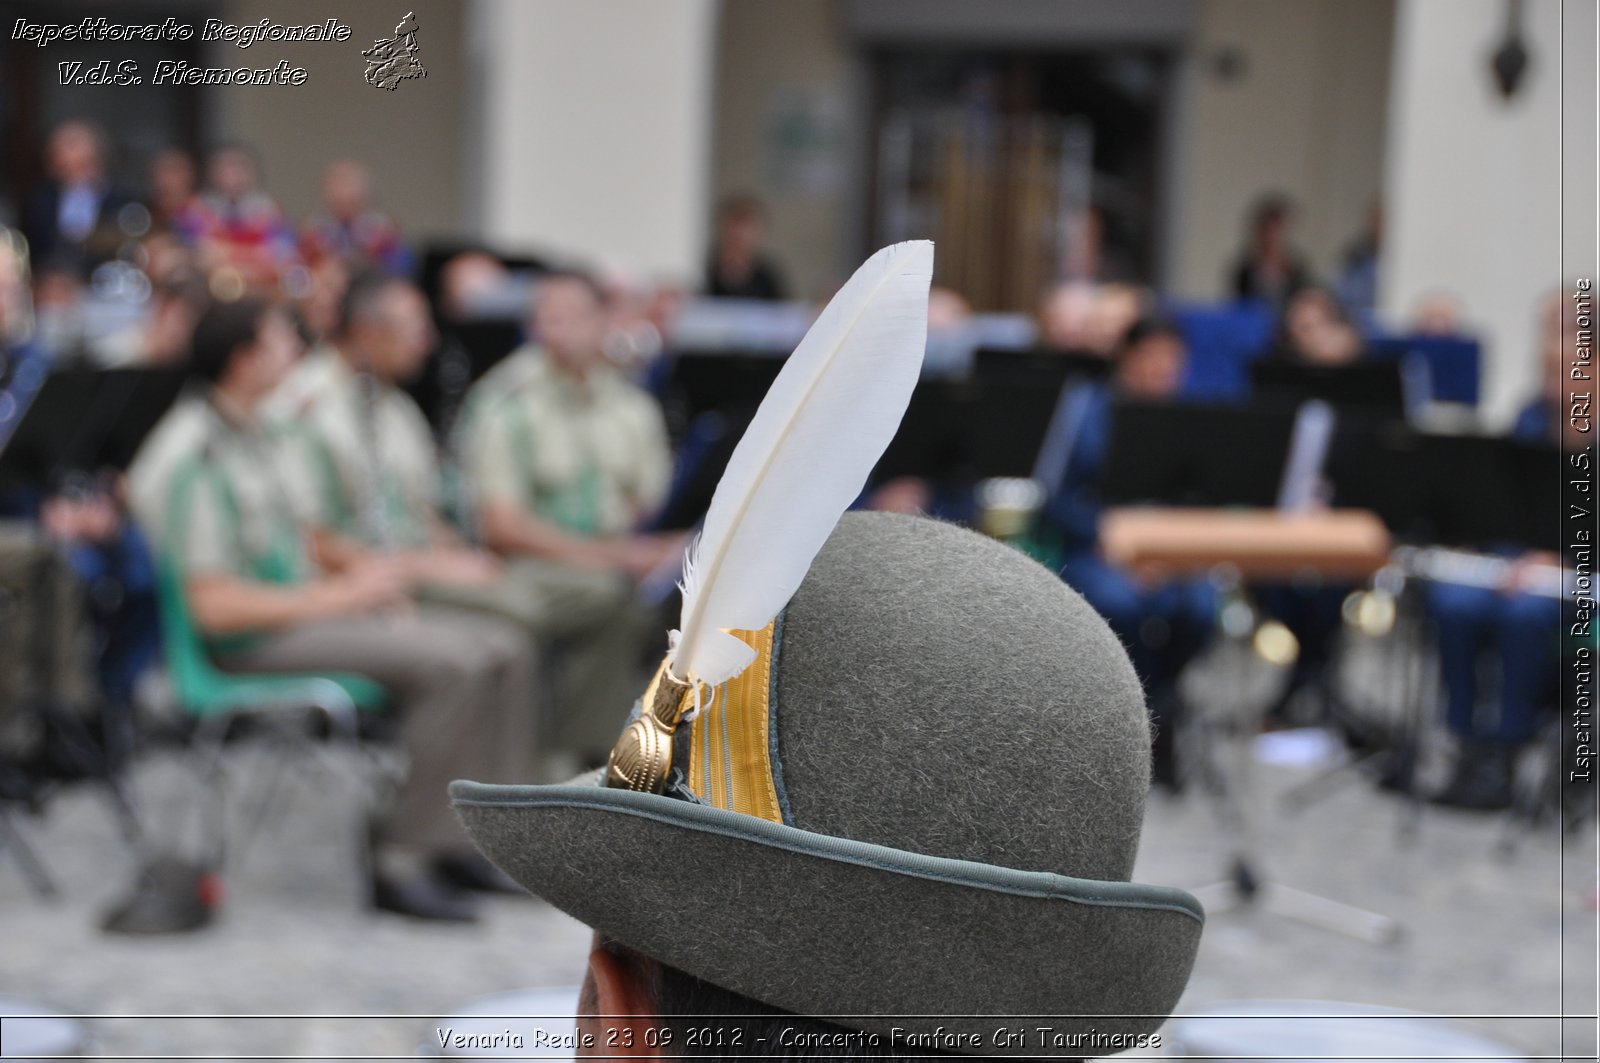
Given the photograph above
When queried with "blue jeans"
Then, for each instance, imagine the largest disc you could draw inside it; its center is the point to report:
(1314, 615)
(1522, 630)
(119, 579)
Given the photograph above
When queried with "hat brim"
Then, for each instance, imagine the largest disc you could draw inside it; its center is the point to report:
(870, 937)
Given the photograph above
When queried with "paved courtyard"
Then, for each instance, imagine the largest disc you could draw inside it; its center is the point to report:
(1482, 934)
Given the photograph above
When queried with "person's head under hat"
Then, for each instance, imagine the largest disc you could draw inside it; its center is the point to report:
(889, 777)
(944, 823)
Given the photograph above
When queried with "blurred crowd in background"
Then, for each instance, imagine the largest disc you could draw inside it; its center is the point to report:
(509, 452)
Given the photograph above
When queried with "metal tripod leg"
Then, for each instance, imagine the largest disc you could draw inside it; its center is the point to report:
(33, 869)
(1246, 886)
(1393, 765)
(1330, 780)
(1244, 890)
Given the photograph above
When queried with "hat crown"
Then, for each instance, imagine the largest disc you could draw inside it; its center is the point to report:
(940, 692)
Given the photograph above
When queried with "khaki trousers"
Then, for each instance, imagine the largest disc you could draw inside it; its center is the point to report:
(600, 643)
(463, 685)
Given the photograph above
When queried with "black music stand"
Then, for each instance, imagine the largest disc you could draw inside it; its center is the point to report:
(708, 402)
(86, 420)
(1222, 456)
(935, 439)
(82, 422)
(703, 454)
(135, 401)
(1010, 419)
(1192, 454)
(1430, 488)
(1467, 491)
(717, 382)
(1038, 366)
(964, 430)
(1375, 387)
(55, 431)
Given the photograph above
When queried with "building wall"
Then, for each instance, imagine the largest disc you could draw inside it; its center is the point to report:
(1475, 180)
(699, 100)
(790, 61)
(411, 137)
(595, 128)
(1304, 115)
(573, 128)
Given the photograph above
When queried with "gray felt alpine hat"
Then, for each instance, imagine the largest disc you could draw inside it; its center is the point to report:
(940, 781)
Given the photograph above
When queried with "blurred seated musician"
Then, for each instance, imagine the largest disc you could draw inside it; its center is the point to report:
(370, 474)
(1066, 317)
(108, 575)
(42, 660)
(110, 559)
(1438, 313)
(235, 226)
(368, 468)
(350, 227)
(1164, 624)
(24, 364)
(170, 188)
(1269, 269)
(1358, 277)
(1315, 329)
(212, 487)
(565, 460)
(739, 268)
(1516, 627)
(77, 203)
(1080, 318)
(319, 305)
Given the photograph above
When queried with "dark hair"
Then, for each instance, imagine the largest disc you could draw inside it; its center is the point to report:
(1149, 327)
(1272, 207)
(362, 297)
(1320, 292)
(223, 328)
(698, 1020)
(577, 276)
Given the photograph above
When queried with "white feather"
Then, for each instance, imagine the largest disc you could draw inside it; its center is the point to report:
(805, 457)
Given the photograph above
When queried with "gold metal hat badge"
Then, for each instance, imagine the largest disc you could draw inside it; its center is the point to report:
(642, 757)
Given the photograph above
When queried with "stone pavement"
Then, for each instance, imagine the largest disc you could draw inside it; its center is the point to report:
(1483, 935)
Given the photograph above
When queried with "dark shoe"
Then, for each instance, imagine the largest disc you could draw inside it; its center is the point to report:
(1398, 775)
(171, 895)
(472, 871)
(422, 896)
(1482, 779)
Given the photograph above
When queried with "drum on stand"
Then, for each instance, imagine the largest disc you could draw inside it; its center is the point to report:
(537, 1023)
(1292, 1030)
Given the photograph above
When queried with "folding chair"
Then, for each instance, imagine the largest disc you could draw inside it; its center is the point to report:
(214, 699)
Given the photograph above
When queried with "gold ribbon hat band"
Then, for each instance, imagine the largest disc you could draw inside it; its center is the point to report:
(730, 748)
